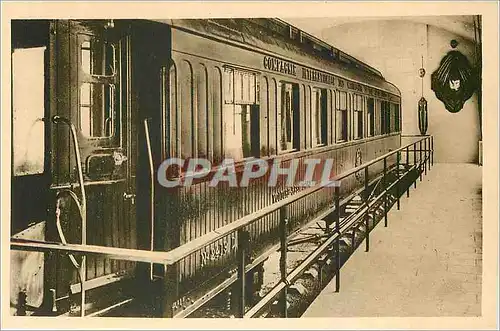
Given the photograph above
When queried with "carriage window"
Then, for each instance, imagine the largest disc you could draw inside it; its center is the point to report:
(318, 115)
(341, 114)
(28, 81)
(241, 113)
(288, 117)
(97, 109)
(98, 57)
(358, 116)
(385, 118)
(388, 117)
(98, 88)
(397, 122)
(371, 117)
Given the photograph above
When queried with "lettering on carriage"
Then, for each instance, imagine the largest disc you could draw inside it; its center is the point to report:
(284, 67)
(317, 76)
(355, 86)
(218, 249)
(284, 193)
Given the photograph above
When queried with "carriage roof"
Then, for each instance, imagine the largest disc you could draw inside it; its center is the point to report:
(283, 39)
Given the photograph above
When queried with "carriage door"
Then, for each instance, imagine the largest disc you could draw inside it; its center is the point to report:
(92, 96)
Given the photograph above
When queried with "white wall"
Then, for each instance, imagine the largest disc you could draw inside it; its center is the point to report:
(396, 47)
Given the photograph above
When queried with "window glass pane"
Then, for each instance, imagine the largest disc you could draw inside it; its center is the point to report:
(28, 75)
(97, 109)
(343, 100)
(238, 86)
(85, 120)
(388, 116)
(287, 117)
(314, 117)
(98, 57)
(360, 124)
(246, 88)
(250, 130)
(85, 51)
(382, 117)
(241, 129)
(319, 117)
(341, 125)
(371, 117)
(245, 129)
(241, 122)
(355, 126)
(228, 85)
(344, 124)
(397, 120)
(253, 89)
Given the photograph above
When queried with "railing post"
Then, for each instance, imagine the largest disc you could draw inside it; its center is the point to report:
(425, 156)
(415, 161)
(420, 159)
(385, 190)
(398, 156)
(243, 240)
(367, 219)
(408, 164)
(169, 290)
(284, 247)
(429, 153)
(337, 242)
(432, 150)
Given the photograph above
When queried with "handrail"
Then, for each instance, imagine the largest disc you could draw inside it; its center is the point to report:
(152, 190)
(59, 119)
(264, 301)
(60, 231)
(173, 256)
(82, 207)
(198, 243)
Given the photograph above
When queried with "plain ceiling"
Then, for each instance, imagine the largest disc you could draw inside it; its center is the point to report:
(462, 26)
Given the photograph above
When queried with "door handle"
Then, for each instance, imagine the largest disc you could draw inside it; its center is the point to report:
(119, 158)
(129, 196)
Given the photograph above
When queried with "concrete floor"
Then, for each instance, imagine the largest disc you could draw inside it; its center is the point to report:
(427, 262)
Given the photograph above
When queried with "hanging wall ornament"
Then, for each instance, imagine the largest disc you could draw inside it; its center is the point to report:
(422, 116)
(454, 81)
(422, 104)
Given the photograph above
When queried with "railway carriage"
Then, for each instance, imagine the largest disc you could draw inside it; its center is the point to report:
(107, 101)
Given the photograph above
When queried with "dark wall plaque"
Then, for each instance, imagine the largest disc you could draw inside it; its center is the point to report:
(454, 81)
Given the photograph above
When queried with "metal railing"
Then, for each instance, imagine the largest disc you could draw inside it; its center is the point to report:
(421, 151)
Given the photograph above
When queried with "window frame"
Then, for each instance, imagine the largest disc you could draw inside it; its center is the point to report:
(230, 99)
(358, 113)
(385, 118)
(320, 100)
(39, 167)
(343, 115)
(295, 118)
(370, 117)
(397, 117)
